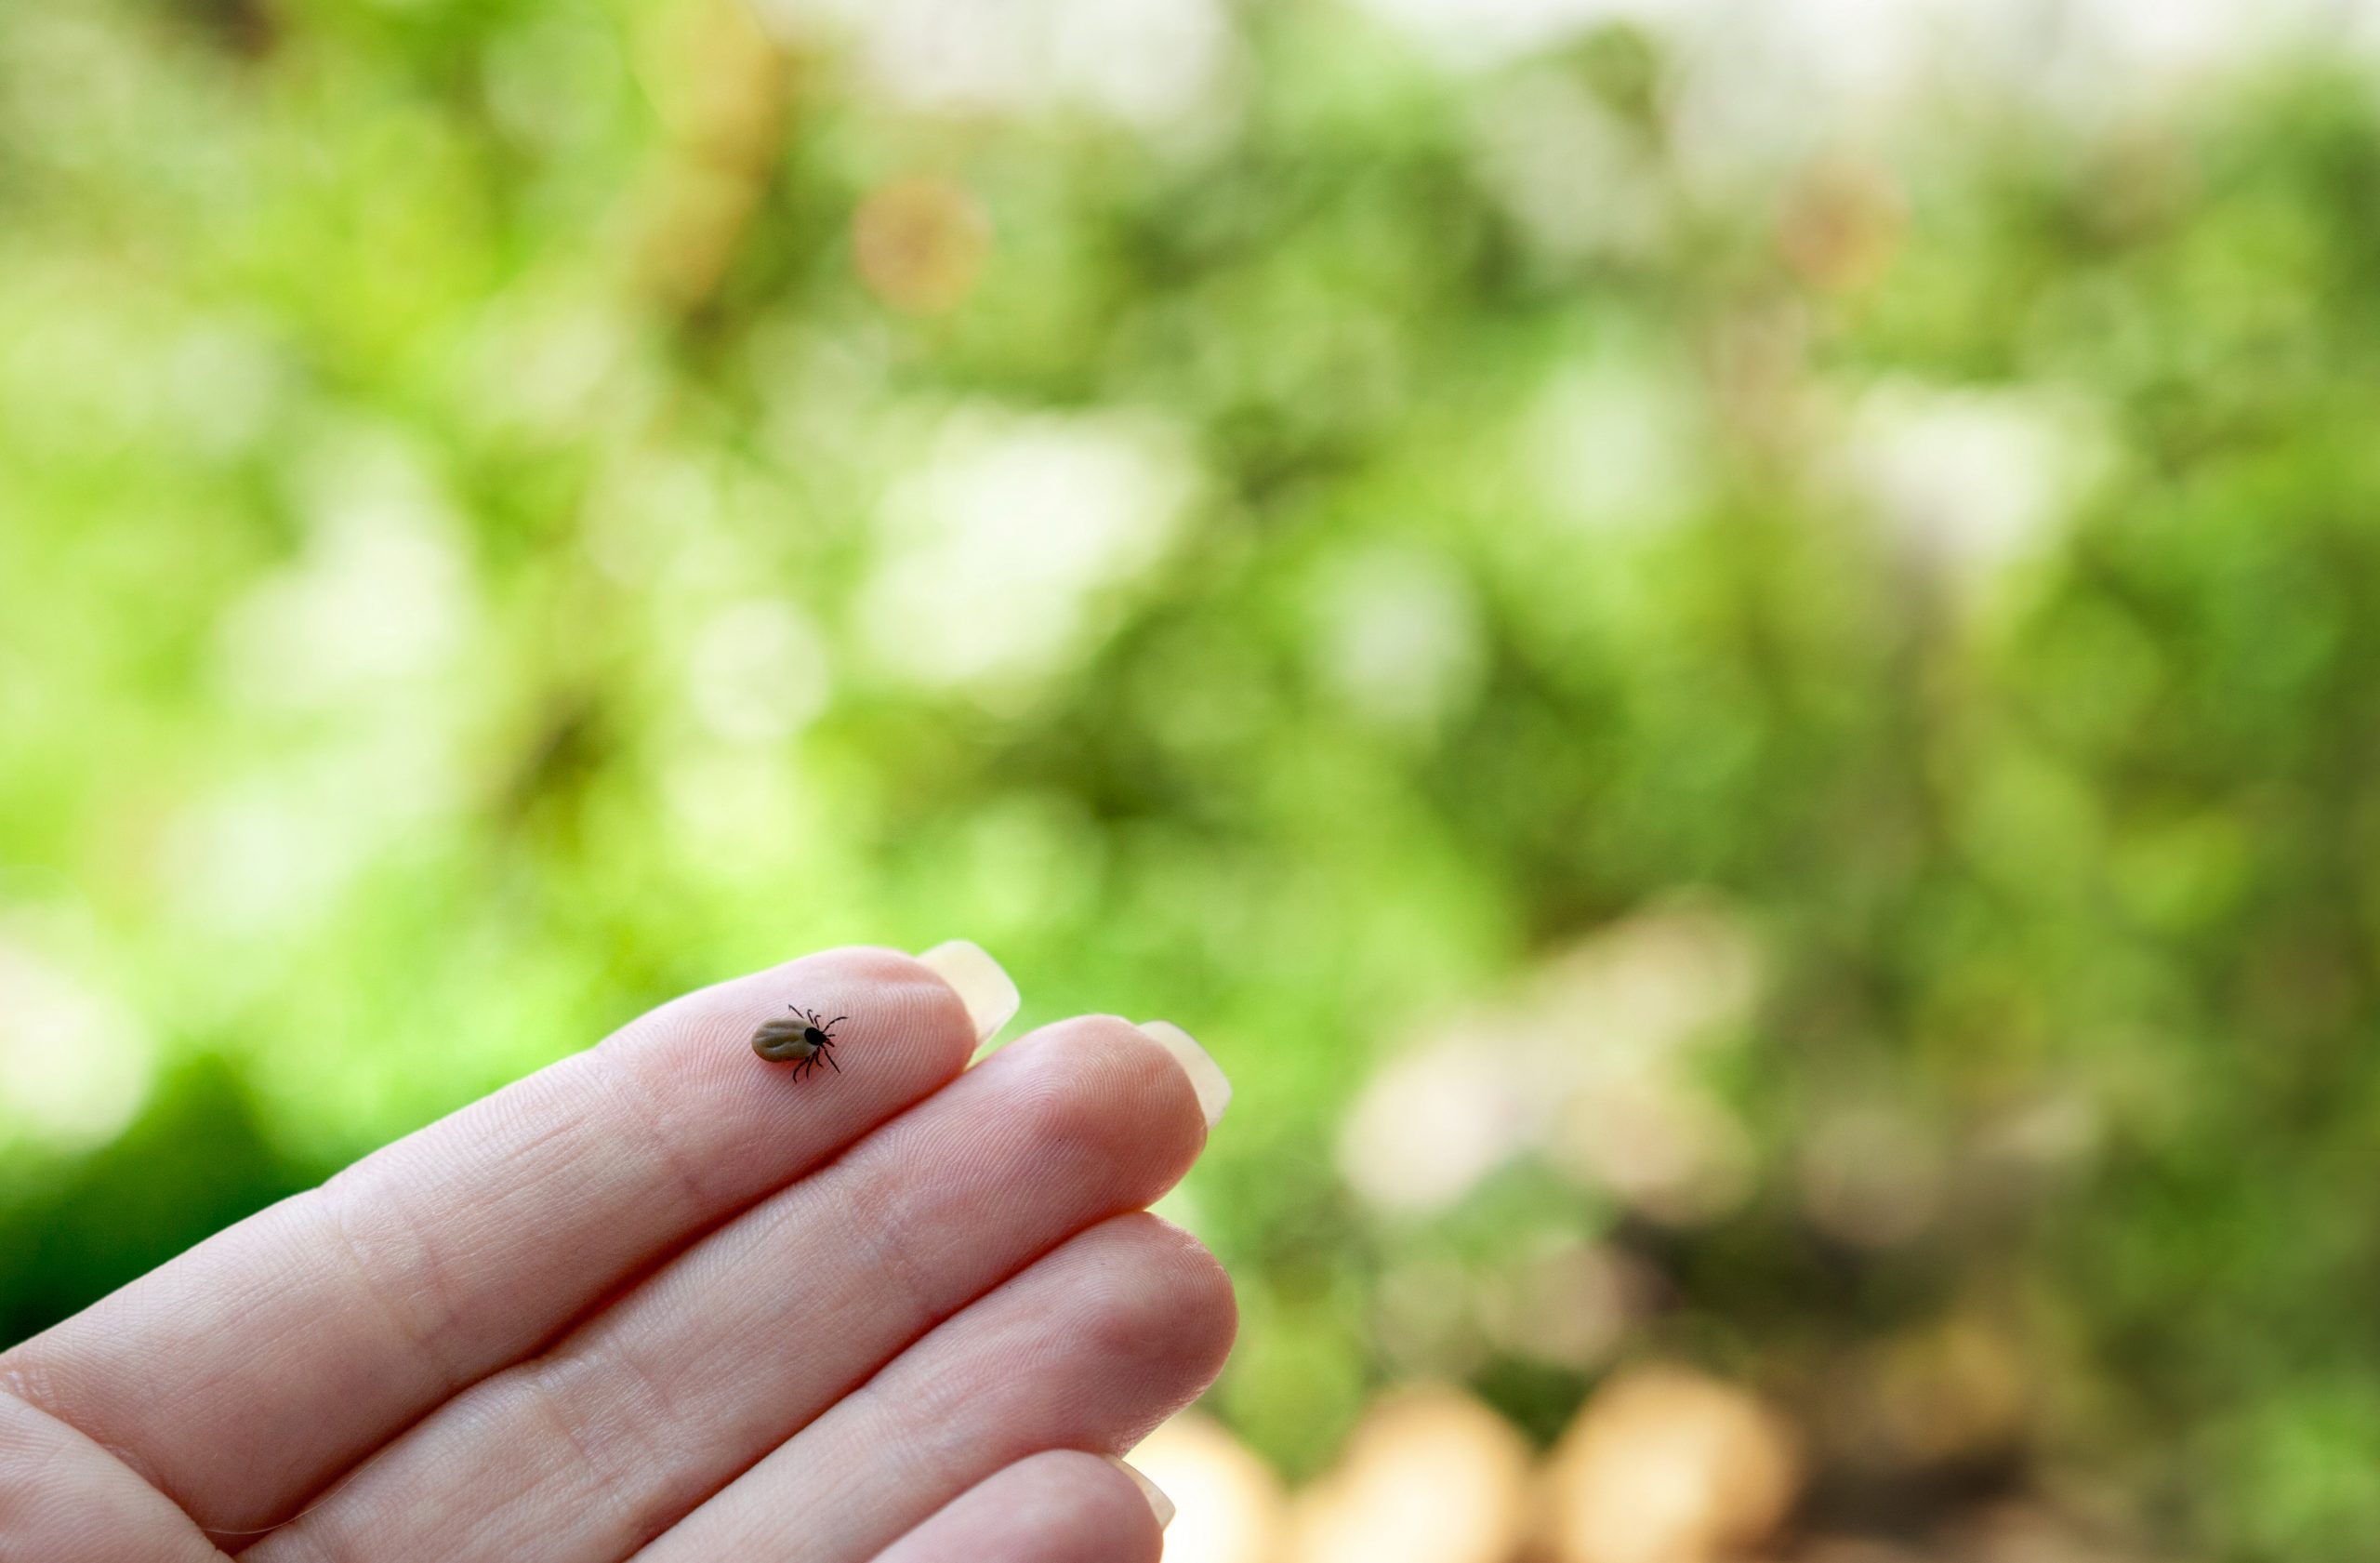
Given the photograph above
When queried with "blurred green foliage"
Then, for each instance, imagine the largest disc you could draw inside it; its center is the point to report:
(460, 561)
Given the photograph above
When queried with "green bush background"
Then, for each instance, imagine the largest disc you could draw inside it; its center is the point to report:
(528, 337)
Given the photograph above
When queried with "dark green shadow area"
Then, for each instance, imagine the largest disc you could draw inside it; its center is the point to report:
(194, 1161)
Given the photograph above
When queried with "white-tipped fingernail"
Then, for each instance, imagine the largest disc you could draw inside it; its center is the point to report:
(1149, 1490)
(991, 998)
(1206, 1077)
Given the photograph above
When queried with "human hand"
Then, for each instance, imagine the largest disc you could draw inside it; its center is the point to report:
(662, 1300)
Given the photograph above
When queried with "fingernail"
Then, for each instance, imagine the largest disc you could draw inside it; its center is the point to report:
(991, 998)
(1206, 1077)
(1149, 1490)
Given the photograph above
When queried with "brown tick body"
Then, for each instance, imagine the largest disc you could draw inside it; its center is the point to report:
(799, 1039)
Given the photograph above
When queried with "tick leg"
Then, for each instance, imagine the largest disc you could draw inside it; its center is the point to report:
(830, 1061)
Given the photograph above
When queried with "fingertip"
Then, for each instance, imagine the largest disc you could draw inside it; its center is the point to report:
(1161, 1299)
(891, 1000)
(1096, 1089)
(1058, 1507)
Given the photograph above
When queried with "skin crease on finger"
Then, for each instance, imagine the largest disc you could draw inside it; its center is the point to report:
(1062, 1506)
(245, 1375)
(63, 1499)
(1089, 1349)
(623, 1427)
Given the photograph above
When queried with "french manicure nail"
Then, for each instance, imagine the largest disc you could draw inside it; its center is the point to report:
(1206, 1077)
(991, 998)
(1149, 1490)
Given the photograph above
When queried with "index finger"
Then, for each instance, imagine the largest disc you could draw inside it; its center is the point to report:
(247, 1373)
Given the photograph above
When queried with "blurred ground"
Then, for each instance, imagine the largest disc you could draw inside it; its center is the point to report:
(1723, 652)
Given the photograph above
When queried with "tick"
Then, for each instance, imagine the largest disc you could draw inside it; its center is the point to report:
(799, 1039)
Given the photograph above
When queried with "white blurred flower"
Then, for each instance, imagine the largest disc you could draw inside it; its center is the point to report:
(271, 851)
(1652, 987)
(1972, 480)
(757, 673)
(75, 1063)
(1004, 551)
(1577, 180)
(379, 595)
(1658, 1143)
(1144, 62)
(1614, 446)
(1569, 1304)
(257, 858)
(361, 633)
(2154, 47)
(553, 364)
(655, 519)
(1591, 1065)
(1639, 1000)
(1753, 85)
(1399, 636)
(226, 380)
(1228, 1503)
(1479, 33)
(1435, 1121)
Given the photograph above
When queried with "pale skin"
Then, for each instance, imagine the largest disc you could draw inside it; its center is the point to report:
(661, 1301)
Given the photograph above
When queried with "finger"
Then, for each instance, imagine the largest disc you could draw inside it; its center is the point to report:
(1089, 1349)
(246, 1374)
(63, 1499)
(596, 1447)
(1060, 1507)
